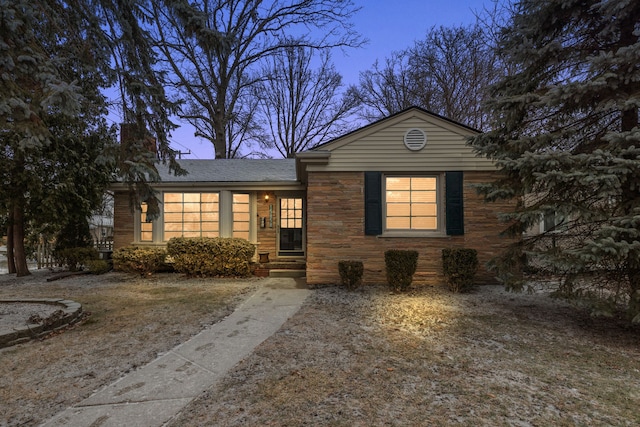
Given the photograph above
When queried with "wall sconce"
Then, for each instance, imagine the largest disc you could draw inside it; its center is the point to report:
(266, 197)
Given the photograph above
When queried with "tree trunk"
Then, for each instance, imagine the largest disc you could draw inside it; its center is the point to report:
(633, 272)
(219, 117)
(11, 264)
(19, 253)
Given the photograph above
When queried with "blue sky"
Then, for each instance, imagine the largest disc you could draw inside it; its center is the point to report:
(389, 26)
(395, 28)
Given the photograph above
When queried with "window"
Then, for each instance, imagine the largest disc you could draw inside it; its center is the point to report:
(411, 203)
(241, 216)
(408, 206)
(191, 215)
(146, 228)
(551, 222)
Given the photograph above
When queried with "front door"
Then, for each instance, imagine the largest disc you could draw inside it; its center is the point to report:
(291, 227)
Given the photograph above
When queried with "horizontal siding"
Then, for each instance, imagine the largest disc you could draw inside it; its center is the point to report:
(384, 149)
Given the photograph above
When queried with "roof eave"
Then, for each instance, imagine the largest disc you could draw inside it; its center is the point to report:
(319, 157)
(249, 185)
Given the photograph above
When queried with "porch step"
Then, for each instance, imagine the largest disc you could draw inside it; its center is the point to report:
(287, 273)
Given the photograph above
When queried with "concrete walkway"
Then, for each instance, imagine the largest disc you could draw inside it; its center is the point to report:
(155, 393)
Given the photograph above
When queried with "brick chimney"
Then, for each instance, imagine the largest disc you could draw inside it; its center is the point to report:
(129, 133)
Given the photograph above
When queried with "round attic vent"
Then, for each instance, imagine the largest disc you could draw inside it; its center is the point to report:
(415, 139)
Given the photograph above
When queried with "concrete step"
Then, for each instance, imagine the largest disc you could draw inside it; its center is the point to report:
(287, 273)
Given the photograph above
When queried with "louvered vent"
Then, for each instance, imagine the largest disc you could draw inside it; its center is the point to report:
(415, 139)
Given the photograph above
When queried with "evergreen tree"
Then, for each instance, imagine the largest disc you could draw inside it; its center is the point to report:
(566, 137)
(55, 58)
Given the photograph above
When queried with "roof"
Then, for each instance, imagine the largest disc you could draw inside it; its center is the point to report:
(233, 170)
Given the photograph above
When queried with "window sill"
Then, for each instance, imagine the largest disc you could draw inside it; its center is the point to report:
(412, 234)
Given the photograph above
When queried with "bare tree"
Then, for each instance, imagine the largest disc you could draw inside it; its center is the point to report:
(385, 90)
(212, 48)
(301, 106)
(447, 73)
(459, 65)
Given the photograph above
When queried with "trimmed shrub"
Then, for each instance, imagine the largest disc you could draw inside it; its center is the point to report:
(351, 273)
(400, 266)
(211, 256)
(75, 258)
(142, 260)
(98, 266)
(459, 267)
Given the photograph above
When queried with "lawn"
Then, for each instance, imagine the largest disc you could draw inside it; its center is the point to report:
(431, 358)
(363, 358)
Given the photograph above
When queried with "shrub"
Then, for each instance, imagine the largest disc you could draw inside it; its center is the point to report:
(211, 256)
(133, 259)
(400, 266)
(75, 258)
(459, 267)
(351, 273)
(98, 266)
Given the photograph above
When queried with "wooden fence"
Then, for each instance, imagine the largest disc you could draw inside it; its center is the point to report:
(44, 255)
(44, 252)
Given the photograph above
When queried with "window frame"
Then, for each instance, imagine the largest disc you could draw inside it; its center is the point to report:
(225, 214)
(440, 229)
(249, 213)
(559, 223)
(183, 212)
(142, 212)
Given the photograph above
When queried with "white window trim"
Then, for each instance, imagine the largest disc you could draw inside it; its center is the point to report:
(225, 212)
(440, 197)
(558, 224)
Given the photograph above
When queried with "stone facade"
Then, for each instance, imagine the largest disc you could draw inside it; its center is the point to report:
(335, 231)
(123, 220)
(267, 234)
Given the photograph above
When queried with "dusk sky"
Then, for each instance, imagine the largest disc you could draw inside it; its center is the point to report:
(389, 26)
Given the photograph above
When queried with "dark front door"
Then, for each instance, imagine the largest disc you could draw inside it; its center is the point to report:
(291, 227)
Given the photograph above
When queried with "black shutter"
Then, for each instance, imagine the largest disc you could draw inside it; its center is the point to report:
(454, 203)
(372, 203)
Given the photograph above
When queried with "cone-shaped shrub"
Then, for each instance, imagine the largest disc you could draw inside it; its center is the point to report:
(400, 266)
(459, 267)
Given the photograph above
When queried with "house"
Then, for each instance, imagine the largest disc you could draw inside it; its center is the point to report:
(404, 182)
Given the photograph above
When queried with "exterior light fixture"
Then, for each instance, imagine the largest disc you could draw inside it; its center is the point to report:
(266, 197)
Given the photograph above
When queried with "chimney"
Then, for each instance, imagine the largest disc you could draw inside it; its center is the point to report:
(129, 133)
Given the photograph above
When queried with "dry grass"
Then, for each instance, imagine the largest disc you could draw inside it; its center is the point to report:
(432, 358)
(364, 358)
(132, 320)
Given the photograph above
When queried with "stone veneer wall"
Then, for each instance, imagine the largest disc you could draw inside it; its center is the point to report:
(335, 232)
(266, 236)
(123, 233)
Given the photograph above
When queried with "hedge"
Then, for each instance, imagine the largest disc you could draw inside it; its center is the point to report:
(211, 256)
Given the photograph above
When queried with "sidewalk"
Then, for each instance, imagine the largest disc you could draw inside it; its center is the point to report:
(153, 394)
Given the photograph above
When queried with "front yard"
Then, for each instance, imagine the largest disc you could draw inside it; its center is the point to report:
(360, 358)
(132, 320)
(432, 358)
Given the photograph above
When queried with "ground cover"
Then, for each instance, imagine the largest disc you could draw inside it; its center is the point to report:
(362, 358)
(131, 320)
(432, 358)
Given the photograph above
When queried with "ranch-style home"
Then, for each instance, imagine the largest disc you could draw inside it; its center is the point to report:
(404, 182)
